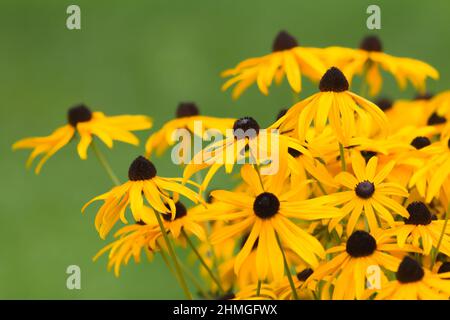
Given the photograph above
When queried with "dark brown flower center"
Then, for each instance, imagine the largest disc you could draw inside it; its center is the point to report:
(445, 267)
(266, 205)
(384, 104)
(409, 271)
(436, 119)
(180, 211)
(420, 142)
(304, 274)
(333, 80)
(141, 169)
(77, 114)
(284, 41)
(371, 43)
(418, 214)
(365, 189)
(360, 244)
(187, 109)
(367, 154)
(245, 127)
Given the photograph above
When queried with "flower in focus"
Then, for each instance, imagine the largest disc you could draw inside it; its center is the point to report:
(368, 193)
(334, 104)
(87, 124)
(143, 183)
(415, 283)
(264, 215)
(349, 267)
(287, 58)
(186, 117)
(369, 58)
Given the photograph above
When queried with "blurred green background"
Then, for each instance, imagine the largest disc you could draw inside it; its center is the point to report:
(143, 57)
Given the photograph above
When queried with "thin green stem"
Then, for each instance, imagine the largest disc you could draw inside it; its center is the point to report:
(342, 156)
(105, 164)
(195, 281)
(287, 269)
(259, 176)
(202, 261)
(322, 189)
(172, 254)
(441, 236)
(258, 288)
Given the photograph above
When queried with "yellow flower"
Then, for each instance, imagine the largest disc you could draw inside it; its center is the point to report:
(247, 144)
(369, 58)
(187, 116)
(287, 58)
(87, 124)
(347, 271)
(145, 235)
(143, 183)
(249, 292)
(436, 169)
(421, 230)
(415, 283)
(367, 194)
(264, 214)
(334, 104)
(284, 290)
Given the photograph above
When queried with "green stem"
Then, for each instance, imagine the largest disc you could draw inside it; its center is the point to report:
(172, 254)
(441, 236)
(202, 261)
(286, 268)
(259, 176)
(105, 164)
(342, 156)
(258, 288)
(194, 281)
(322, 189)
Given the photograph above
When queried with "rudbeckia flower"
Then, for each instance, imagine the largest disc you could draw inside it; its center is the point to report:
(187, 116)
(347, 271)
(368, 194)
(145, 235)
(421, 230)
(287, 58)
(143, 183)
(284, 290)
(87, 124)
(336, 105)
(247, 144)
(369, 58)
(415, 283)
(436, 169)
(264, 214)
(249, 292)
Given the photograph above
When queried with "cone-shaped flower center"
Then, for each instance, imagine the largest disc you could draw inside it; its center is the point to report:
(365, 189)
(284, 41)
(435, 119)
(360, 244)
(180, 211)
(444, 268)
(420, 142)
(409, 271)
(333, 80)
(384, 104)
(141, 169)
(304, 275)
(187, 109)
(371, 43)
(77, 114)
(418, 214)
(245, 127)
(266, 205)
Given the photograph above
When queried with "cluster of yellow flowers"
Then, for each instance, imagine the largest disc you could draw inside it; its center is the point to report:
(358, 208)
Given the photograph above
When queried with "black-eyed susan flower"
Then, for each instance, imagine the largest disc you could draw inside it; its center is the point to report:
(415, 283)
(344, 110)
(368, 60)
(143, 184)
(284, 290)
(368, 194)
(247, 143)
(436, 169)
(287, 58)
(347, 271)
(87, 124)
(187, 117)
(250, 292)
(421, 229)
(264, 215)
